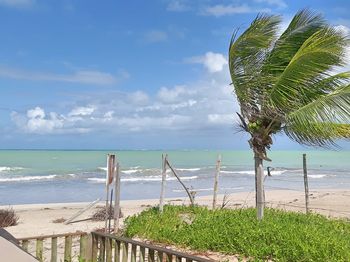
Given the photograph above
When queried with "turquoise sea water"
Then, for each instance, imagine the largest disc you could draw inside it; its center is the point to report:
(71, 176)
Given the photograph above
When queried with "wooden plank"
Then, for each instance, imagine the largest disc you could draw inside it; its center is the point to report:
(151, 255)
(94, 250)
(124, 250)
(102, 254)
(25, 244)
(116, 251)
(306, 185)
(159, 256)
(39, 249)
(168, 257)
(133, 253)
(73, 234)
(142, 254)
(53, 249)
(83, 254)
(68, 249)
(108, 244)
(217, 173)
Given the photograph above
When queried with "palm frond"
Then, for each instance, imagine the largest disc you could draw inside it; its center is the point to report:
(303, 25)
(315, 122)
(247, 53)
(318, 134)
(321, 52)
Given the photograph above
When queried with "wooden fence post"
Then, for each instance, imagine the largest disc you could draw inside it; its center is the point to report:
(306, 184)
(162, 191)
(117, 199)
(53, 249)
(109, 180)
(68, 249)
(217, 173)
(39, 249)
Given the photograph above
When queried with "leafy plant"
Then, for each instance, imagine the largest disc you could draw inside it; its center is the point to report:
(287, 83)
(283, 236)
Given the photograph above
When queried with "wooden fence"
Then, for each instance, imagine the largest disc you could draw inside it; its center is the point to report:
(100, 247)
(47, 247)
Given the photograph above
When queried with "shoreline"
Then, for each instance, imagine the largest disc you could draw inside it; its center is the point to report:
(37, 219)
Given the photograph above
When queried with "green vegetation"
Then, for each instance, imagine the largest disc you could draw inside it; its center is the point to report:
(287, 83)
(282, 236)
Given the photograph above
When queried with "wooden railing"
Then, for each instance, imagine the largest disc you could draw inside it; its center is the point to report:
(108, 248)
(37, 246)
(99, 247)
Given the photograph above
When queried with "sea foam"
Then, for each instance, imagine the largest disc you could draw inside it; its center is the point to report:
(27, 178)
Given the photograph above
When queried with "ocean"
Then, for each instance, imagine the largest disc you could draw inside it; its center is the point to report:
(38, 176)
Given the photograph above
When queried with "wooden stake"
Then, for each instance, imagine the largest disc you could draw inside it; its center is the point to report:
(110, 210)
(117, 199)
(178, 178)
(306, 184)
(217, 173)
(109, 180)
(162, 190)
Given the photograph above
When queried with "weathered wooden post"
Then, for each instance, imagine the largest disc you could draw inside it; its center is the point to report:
(306, 184)
(117, 199)
(217, 173)
(109, 180)
(162, 191)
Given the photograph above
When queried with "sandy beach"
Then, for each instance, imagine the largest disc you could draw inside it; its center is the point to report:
(38, 219)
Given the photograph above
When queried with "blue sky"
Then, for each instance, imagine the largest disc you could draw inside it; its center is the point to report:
(127, 74)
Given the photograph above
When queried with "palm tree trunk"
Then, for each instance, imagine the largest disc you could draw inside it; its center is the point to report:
(259, 187)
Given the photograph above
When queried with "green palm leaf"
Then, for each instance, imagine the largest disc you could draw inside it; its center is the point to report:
(311, 63)
(247, 53)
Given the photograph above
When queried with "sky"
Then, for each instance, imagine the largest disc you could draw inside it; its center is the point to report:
(128, 74)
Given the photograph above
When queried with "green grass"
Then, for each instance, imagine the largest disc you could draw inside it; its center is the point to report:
(281, 236)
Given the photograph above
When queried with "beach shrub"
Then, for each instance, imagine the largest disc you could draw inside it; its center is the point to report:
(8, 217)
(281, 236)
(100, 213)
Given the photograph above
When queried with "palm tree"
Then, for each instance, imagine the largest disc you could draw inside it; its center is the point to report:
(286, 83)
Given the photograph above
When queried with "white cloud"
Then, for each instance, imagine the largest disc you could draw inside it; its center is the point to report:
(37, 122)
(36, 113)
(213, 62)
(222, 10)
(345, 30)
(221, 118)
(278, 3)
(155, 36)
(138, 97)
(82, 111)
(17, 3)
(177, 6)
(205, 104)
(80, 76)
(170, 95)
